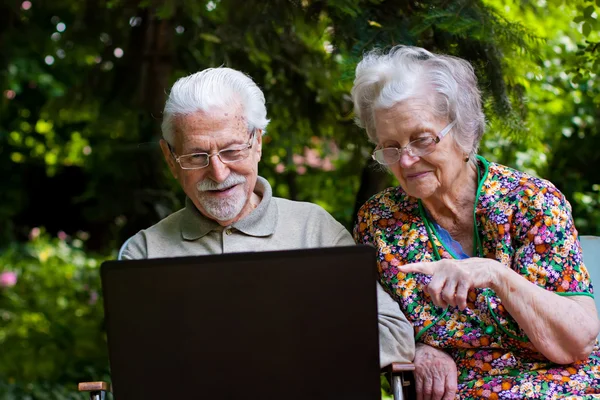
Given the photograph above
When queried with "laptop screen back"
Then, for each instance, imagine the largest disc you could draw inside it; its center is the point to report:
(298, 324)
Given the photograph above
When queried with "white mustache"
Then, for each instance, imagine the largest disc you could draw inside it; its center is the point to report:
(232, 180)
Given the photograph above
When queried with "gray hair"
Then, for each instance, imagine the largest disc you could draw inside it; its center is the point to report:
(383, 80)
(214, 88)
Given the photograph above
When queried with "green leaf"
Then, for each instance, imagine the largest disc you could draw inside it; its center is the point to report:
(210, 38)
(598, 3)
(586, 29)
(588, 11)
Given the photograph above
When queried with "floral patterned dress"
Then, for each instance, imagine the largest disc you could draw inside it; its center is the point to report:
(523, 222)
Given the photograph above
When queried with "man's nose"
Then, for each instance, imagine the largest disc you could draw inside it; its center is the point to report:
(219, 171)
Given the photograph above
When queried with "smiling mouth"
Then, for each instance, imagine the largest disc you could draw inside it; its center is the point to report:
(417, 175)
(225, 190)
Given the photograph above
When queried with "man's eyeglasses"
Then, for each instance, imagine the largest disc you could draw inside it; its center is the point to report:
(227, 156)
(417, 148)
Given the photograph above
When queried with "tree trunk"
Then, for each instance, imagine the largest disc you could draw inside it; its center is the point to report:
(157, 66)
(372, 181)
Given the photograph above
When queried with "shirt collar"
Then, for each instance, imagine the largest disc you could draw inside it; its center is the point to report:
(260, 222)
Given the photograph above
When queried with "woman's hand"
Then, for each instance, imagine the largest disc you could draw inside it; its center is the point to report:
(452, 279)
(435, 374)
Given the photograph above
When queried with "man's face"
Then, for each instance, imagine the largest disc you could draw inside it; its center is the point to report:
(220, 191)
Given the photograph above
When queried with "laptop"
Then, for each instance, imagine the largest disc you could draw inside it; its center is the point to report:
(298, 324)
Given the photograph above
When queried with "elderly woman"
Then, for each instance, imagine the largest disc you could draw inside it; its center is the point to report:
(483, 259)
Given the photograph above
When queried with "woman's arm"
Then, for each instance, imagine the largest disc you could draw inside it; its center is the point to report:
(545, 289)
(562, 328)
(543, 285)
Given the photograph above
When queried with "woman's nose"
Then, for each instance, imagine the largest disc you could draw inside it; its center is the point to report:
(406, 160)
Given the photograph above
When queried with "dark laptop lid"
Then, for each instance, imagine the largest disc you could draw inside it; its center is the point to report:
(298, 324)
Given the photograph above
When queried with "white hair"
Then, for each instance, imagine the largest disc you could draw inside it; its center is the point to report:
(405, 72)
(214, 88)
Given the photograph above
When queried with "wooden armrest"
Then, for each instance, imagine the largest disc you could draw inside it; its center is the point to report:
(94, 387)
(402, 380)
(401, 367)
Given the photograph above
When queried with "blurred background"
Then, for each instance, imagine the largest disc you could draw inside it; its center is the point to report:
(83, 83)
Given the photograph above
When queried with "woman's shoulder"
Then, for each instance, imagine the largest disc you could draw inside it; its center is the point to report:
(519, 180)
(389, 196)
(389, 201)
(515, 184)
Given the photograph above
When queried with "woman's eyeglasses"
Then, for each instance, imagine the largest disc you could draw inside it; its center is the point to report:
(417, 148)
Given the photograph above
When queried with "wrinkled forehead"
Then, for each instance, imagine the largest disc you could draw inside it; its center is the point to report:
(218, 124)
(405, 114)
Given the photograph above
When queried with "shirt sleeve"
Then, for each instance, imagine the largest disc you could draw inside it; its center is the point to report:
(134, 248)
(396, 335)
(548, 252)
(343, 238)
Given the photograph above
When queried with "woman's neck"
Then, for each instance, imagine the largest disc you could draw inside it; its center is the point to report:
(452, 207)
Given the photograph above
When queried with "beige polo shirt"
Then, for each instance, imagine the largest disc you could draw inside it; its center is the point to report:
(276, 224)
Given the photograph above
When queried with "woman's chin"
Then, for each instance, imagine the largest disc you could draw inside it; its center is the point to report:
(420, 191)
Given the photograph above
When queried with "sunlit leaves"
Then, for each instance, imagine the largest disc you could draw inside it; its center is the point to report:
(51, 317)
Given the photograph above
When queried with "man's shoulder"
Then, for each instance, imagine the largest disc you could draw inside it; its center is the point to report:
(309, 225)
(137, 246)
(163, 228)
(299, 209)
(168, 224)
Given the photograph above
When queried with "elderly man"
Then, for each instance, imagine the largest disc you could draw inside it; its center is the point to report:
(213, 124)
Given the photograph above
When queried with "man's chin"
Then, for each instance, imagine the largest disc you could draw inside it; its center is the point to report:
(221, 209)
(220, 216)
(223, 219)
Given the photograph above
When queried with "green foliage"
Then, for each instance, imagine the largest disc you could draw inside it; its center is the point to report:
(83, 87)
(588, 56)
(562, 93)
(51, 333)
(87, 97)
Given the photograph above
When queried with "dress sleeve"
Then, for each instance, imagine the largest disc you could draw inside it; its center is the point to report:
(396, 334)
(548, 252)
(362, 234)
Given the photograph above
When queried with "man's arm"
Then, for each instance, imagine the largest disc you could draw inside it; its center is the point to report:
(396, 335)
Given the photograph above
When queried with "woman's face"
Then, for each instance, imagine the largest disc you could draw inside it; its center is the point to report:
(428, 175)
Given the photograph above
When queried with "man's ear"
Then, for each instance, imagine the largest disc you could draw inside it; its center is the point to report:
(259, 133)
(164, 146)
